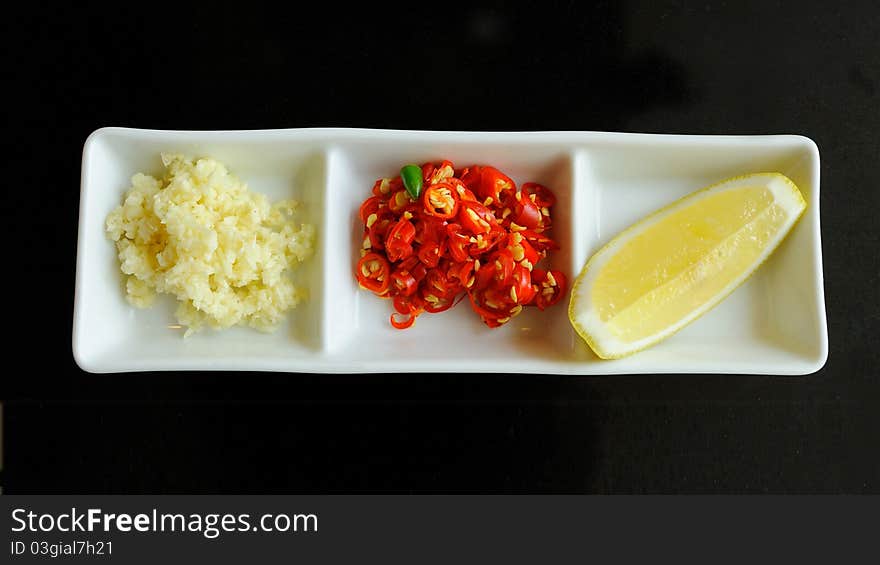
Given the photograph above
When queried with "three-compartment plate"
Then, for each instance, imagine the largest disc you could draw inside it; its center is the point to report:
(774, 324)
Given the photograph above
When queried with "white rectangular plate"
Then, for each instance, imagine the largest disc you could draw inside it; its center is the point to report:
(773, 324)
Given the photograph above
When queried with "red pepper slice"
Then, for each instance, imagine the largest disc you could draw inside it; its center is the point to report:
(383, 188)
(466, 275)
(399, 201)
(463, 190)
(486, 242)
(442, 305)
(397, 250)
(458, 242)
(539, 241)
(441, 200)
(493, 183)
(527, 213)
(483, 276)
(504, 264)
(370, 206)
(398, 241)
(374, 273)
(464, 194)
(408, 304)
(437, 285)
(522, 285)
(430, 252)
(377, 232)
(529, 253)
(498, 298)
(457, 273)
(490, 316)
(550, 287)
(544, 198)
(439, 291)
(429, 229)
(408, 264)
(403, 231)
(428, 170)
(403, 282)
(420, 271)
(414, 266)
(476, 218)
(406, 323)
(472, 177)
(444, 171)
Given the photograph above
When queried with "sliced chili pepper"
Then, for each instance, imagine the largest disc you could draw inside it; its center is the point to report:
(499, 298)
(377, 231)
(403, 230)
(427, 171)
(453, 270)
(483, 276)
(466, 274)
(405, 324)
(458, 242)
(398, 240)
(527, 213)
(472, 177)
(489, 318)
(403, 282)
(438, 292)
(409, 263)
(460, 188)
(399, 201)
(522, 250)
(464, 193)
(429, 253)
(436, 284)
(441, 305)
(466, 233)
(441, 200)
(370, 206)
(543, 197)
(490, 306)
(493, 183)
(486, 242)
(397, 250)
(374, 273)
(383, 188)
(420, 271)
(539, 241)
(407, 304)
(429, 229)
(504, 264)
(529, 253)
(522, 284)
(444, 171)
(550, 286)
(476, 218)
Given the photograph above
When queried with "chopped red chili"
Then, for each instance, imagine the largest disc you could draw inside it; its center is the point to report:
(469, 233)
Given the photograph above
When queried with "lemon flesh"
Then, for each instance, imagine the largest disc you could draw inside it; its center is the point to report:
(671, 267)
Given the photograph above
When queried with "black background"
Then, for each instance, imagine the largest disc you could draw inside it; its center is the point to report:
(810, 68)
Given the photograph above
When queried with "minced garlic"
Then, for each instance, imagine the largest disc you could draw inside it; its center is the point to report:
(199, 234)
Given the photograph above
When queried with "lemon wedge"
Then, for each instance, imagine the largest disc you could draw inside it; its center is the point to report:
(673, 266)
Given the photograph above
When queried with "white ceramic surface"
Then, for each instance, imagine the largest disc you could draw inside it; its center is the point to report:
(773, 324)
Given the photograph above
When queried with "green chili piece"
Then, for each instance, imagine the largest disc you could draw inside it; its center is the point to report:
(412, 180)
